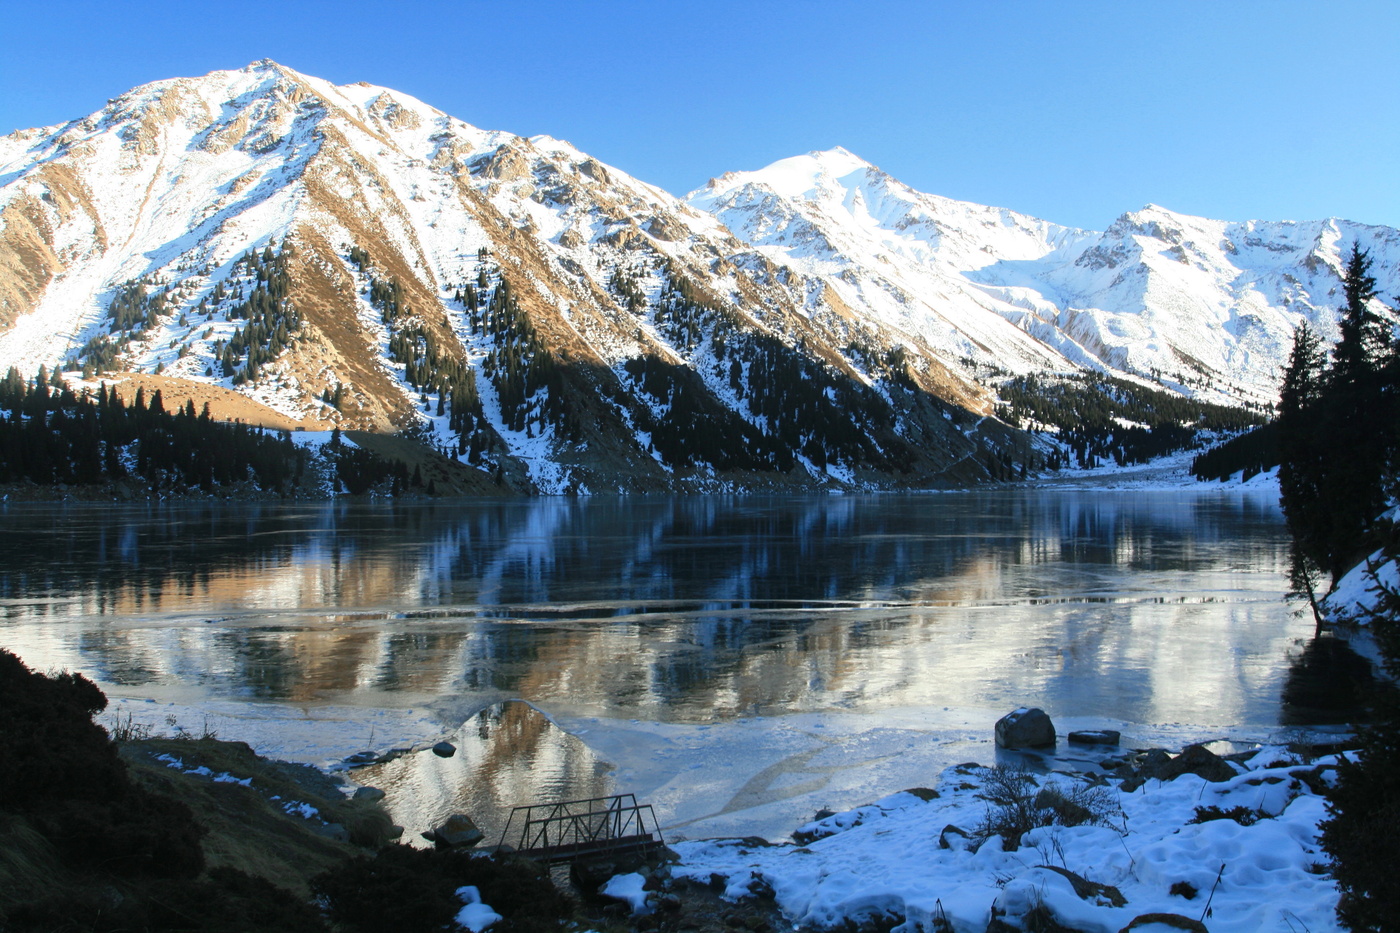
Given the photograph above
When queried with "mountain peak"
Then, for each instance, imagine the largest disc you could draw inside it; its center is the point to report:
(838, 158)
(812, 173)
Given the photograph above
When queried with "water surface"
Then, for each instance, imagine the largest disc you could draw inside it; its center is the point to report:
(1147, 607)
(1137, 605)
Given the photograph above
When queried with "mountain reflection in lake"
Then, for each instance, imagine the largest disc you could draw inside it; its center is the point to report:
(508, 755)
(1140, 606)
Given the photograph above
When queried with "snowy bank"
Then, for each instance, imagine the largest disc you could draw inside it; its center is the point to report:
(1241, 853)
(1358, 595)
(1172, 471)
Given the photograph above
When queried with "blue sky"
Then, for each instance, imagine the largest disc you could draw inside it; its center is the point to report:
(1070, 111)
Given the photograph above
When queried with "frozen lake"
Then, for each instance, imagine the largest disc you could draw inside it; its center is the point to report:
(736, 661)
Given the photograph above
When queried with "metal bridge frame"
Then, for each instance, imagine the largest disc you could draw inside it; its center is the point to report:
(571, 829)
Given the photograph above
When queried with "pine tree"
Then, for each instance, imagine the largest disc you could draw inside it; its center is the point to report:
(1357, 420)
(1337, 432)
(1303, 455)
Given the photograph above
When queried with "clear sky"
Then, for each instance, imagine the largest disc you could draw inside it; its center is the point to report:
(1070, 111)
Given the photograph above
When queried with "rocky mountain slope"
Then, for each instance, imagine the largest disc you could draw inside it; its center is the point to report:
(351, 257)
(348, 256)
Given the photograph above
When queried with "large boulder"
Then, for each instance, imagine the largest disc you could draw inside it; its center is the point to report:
(1157, 763)
(458, 830)
(1200, 761)
(1027, 727)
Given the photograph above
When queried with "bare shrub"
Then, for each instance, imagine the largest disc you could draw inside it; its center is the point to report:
(125, 729)
(1017, 804)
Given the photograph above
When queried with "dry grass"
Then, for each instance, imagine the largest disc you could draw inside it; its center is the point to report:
(1017, 804)
(29, 867)
(224, 404)
(248, 829)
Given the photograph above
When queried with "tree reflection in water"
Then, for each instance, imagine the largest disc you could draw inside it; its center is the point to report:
(1327, 683)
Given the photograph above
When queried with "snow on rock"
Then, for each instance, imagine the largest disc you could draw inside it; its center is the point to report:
(223, 777)
(299, 808)
(1354, 598)
(1169, 847)
(629, 888)
(474, 915)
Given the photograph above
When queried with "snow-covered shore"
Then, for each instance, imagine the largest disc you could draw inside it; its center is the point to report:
(898, 862)
(1170, 472)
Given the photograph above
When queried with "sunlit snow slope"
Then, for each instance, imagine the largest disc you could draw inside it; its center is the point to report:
(350, 256)
(1204, 307)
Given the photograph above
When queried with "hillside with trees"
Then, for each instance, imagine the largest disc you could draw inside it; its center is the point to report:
(53, 438)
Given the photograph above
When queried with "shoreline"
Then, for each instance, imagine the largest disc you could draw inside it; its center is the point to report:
(756, 776)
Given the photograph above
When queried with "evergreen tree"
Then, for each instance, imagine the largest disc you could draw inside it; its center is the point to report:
(1357, 417)
(1337, 444)
(1337, 431)
(1303, 456)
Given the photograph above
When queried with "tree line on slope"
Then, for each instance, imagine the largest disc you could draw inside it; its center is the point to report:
(1248, 454)
(51, 435)
(527, 376)
(256, 291)
(1104, 418)
(797, 404)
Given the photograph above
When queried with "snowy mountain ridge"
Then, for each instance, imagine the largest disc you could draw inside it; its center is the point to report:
(349, 256)
(1203, 307)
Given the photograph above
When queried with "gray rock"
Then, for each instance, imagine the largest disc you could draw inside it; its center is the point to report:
(1153, 763)
(1104, 895)
(954, 837)
(1194, 759)
(1096, 737)
(1200, 761)
(457, 831)
(1143, 766)
(1025, 728)
(444, 749)
(368, 793)
(590, 874)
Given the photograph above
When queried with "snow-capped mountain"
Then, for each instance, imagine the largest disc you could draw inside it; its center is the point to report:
(1203, 307)
(350, 256)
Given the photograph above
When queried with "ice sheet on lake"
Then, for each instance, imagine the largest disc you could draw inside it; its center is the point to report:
(761, 776)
